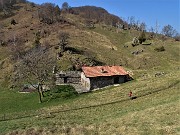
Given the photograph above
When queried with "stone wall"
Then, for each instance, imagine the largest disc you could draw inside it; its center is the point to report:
(68, 77)
(85, 82)
(100, 82)
(73, 80)
(64, 80)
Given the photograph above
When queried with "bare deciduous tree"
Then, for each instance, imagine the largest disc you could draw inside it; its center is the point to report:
(177, 36)
(63, 37)
(57, 12)
(152, 32)
(17, 49)
(142, 26)
(5, 5)
(65, 6)
(132, 20)
(168, 31)
(157, 27)
(48, 12)
(36, 68)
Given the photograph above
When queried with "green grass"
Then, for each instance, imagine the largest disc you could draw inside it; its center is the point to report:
(106, 111)
(14, 102)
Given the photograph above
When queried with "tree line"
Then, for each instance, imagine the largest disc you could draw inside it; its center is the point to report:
(166, 30)
(6, 5)
(98, 15)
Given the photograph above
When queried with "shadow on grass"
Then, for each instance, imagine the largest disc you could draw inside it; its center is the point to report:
(74, 50)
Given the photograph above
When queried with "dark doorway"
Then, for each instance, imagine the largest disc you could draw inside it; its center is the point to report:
(116, 80)
(65, 79)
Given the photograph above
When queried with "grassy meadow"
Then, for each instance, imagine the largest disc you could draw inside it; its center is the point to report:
(106, 111)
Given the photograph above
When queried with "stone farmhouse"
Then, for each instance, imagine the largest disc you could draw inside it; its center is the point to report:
(101, 76)
(93, 77)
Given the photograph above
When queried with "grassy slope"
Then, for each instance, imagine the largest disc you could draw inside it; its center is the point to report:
(109, 110)
(155, 113)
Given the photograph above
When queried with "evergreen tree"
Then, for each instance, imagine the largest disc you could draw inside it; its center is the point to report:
(142, 37)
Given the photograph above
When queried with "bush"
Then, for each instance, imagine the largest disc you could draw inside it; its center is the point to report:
(142, 37)
(159, 49)
(13, 22)
(177, 38)
(2, 43)
(64, 91)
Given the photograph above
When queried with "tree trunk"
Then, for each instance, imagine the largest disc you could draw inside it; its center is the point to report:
(63, 48)
(40, 98)
(40, 92)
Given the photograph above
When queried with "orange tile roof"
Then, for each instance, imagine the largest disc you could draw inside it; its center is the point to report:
(103, 71)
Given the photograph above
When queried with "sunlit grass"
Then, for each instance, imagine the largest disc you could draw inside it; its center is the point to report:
(107, 111)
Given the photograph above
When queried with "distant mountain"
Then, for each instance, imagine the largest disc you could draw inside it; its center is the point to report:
(98, 14)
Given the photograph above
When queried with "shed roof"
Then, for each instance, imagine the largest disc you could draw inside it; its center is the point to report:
(98, 71)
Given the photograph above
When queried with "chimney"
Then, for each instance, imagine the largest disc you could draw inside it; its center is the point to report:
(102, 70)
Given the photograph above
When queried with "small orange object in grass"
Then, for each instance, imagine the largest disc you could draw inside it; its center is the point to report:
(130, 94)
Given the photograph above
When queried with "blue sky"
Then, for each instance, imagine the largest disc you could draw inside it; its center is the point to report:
(148, 11)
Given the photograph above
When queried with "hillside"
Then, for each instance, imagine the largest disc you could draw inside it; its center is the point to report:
(88, 45)
(97, 14)
(107, 111)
